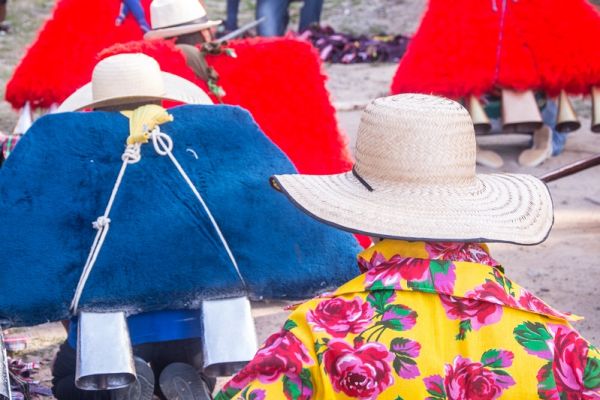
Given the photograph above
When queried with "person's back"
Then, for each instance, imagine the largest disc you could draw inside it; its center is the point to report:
(433, 315)
(426, 320)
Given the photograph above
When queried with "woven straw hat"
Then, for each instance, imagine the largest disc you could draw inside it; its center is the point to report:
(414, 179)
(177, 17)
(132, 78)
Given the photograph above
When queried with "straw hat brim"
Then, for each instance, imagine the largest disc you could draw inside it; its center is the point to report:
(180, 30)
(509, 208)
(176, 89)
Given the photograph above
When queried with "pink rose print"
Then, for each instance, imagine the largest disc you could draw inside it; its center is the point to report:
(570, 358)
(452, 251)
(529, 301)
(361, 372)
(282, 353)
(340, 317)
(376, 259)
(392, 271)
(472, 380)
(472, 313)
(480, 307)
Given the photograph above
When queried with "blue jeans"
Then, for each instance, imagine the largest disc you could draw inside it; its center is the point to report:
(278, 17)
(231, 23)
(549, 117)
(135, 7)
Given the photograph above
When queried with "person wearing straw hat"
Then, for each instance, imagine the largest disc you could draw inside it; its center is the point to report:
(169, 340)
(187, 22)
(433, 315)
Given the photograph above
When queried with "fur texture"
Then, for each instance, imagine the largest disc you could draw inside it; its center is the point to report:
(280, 82)
(161, 252)
(465, 47)
(63, 55)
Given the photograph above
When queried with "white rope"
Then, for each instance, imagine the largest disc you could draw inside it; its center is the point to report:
(163, 145)
(131, 155)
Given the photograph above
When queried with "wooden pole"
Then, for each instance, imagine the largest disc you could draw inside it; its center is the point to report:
(571, 169)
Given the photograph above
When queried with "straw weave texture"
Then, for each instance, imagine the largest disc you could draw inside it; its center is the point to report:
(417, 153)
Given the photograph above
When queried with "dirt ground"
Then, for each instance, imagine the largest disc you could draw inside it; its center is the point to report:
(564, 270)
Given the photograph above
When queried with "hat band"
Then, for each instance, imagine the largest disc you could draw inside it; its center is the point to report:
(192, 22)
(361, 180)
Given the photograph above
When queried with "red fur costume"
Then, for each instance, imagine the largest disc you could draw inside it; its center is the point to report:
(471, 46)
(278, 80)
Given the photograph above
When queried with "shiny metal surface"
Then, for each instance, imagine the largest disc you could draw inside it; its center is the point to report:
(566, 118)
(4, 377)
(481, 122)
(229, 336)
(104, 354)
(520, 112)
(596, 109)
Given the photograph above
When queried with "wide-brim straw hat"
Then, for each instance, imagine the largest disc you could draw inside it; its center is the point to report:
(171, 18)
(414, 179)
(132, 78)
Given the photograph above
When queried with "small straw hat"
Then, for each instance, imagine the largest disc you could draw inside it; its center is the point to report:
(177, 17)
(132, 78)
(414, 179)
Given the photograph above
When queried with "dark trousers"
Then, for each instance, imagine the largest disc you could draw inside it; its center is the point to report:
(278, 17)
(159, 355)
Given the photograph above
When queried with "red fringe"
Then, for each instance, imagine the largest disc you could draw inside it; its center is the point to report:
(547, 45)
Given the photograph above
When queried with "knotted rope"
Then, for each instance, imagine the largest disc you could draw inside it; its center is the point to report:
(144, 125)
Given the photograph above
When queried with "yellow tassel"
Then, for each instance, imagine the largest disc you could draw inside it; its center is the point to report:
(143, 120)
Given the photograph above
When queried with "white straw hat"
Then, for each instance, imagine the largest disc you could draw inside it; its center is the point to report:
(132, 78)
(177, 17)
(415, 179)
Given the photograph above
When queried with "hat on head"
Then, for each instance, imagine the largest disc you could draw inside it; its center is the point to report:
(177, 17)
(414, 179)
(132, 78)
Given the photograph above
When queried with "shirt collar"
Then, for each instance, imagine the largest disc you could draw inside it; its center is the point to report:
(460, 270)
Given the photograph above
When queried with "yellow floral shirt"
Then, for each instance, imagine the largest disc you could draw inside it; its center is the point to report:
(425, 321)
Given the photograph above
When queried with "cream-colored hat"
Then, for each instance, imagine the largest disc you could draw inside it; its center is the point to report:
(415, 179)
(177, 17)
(132, 78)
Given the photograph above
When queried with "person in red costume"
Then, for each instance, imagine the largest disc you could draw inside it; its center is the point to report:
(473, 48)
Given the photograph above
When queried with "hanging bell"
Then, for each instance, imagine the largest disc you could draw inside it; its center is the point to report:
(481, 122)
(596, 109)
(104, 355)
(520, 112)
(4, 375)
(25, 120)
(566, 118)
(229, 336)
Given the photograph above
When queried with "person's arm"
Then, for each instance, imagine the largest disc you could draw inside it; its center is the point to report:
(283, 368)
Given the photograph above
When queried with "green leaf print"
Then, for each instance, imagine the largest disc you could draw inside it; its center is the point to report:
(591, 374)
(379, 299)
(291, 389)
(227, 394)
(463, 327)
(533, 336)
(546, 382)
(289, 325)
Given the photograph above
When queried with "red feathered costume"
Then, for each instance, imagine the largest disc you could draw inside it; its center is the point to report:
(278, 80)
(468, 47)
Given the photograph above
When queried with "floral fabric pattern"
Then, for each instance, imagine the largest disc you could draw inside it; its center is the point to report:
(465, 379)
(435, 321)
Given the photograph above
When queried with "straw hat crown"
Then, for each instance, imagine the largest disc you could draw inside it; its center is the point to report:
(169, 13)
(132, 78)
(415, 179)
(127, 75)
(416, 139)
